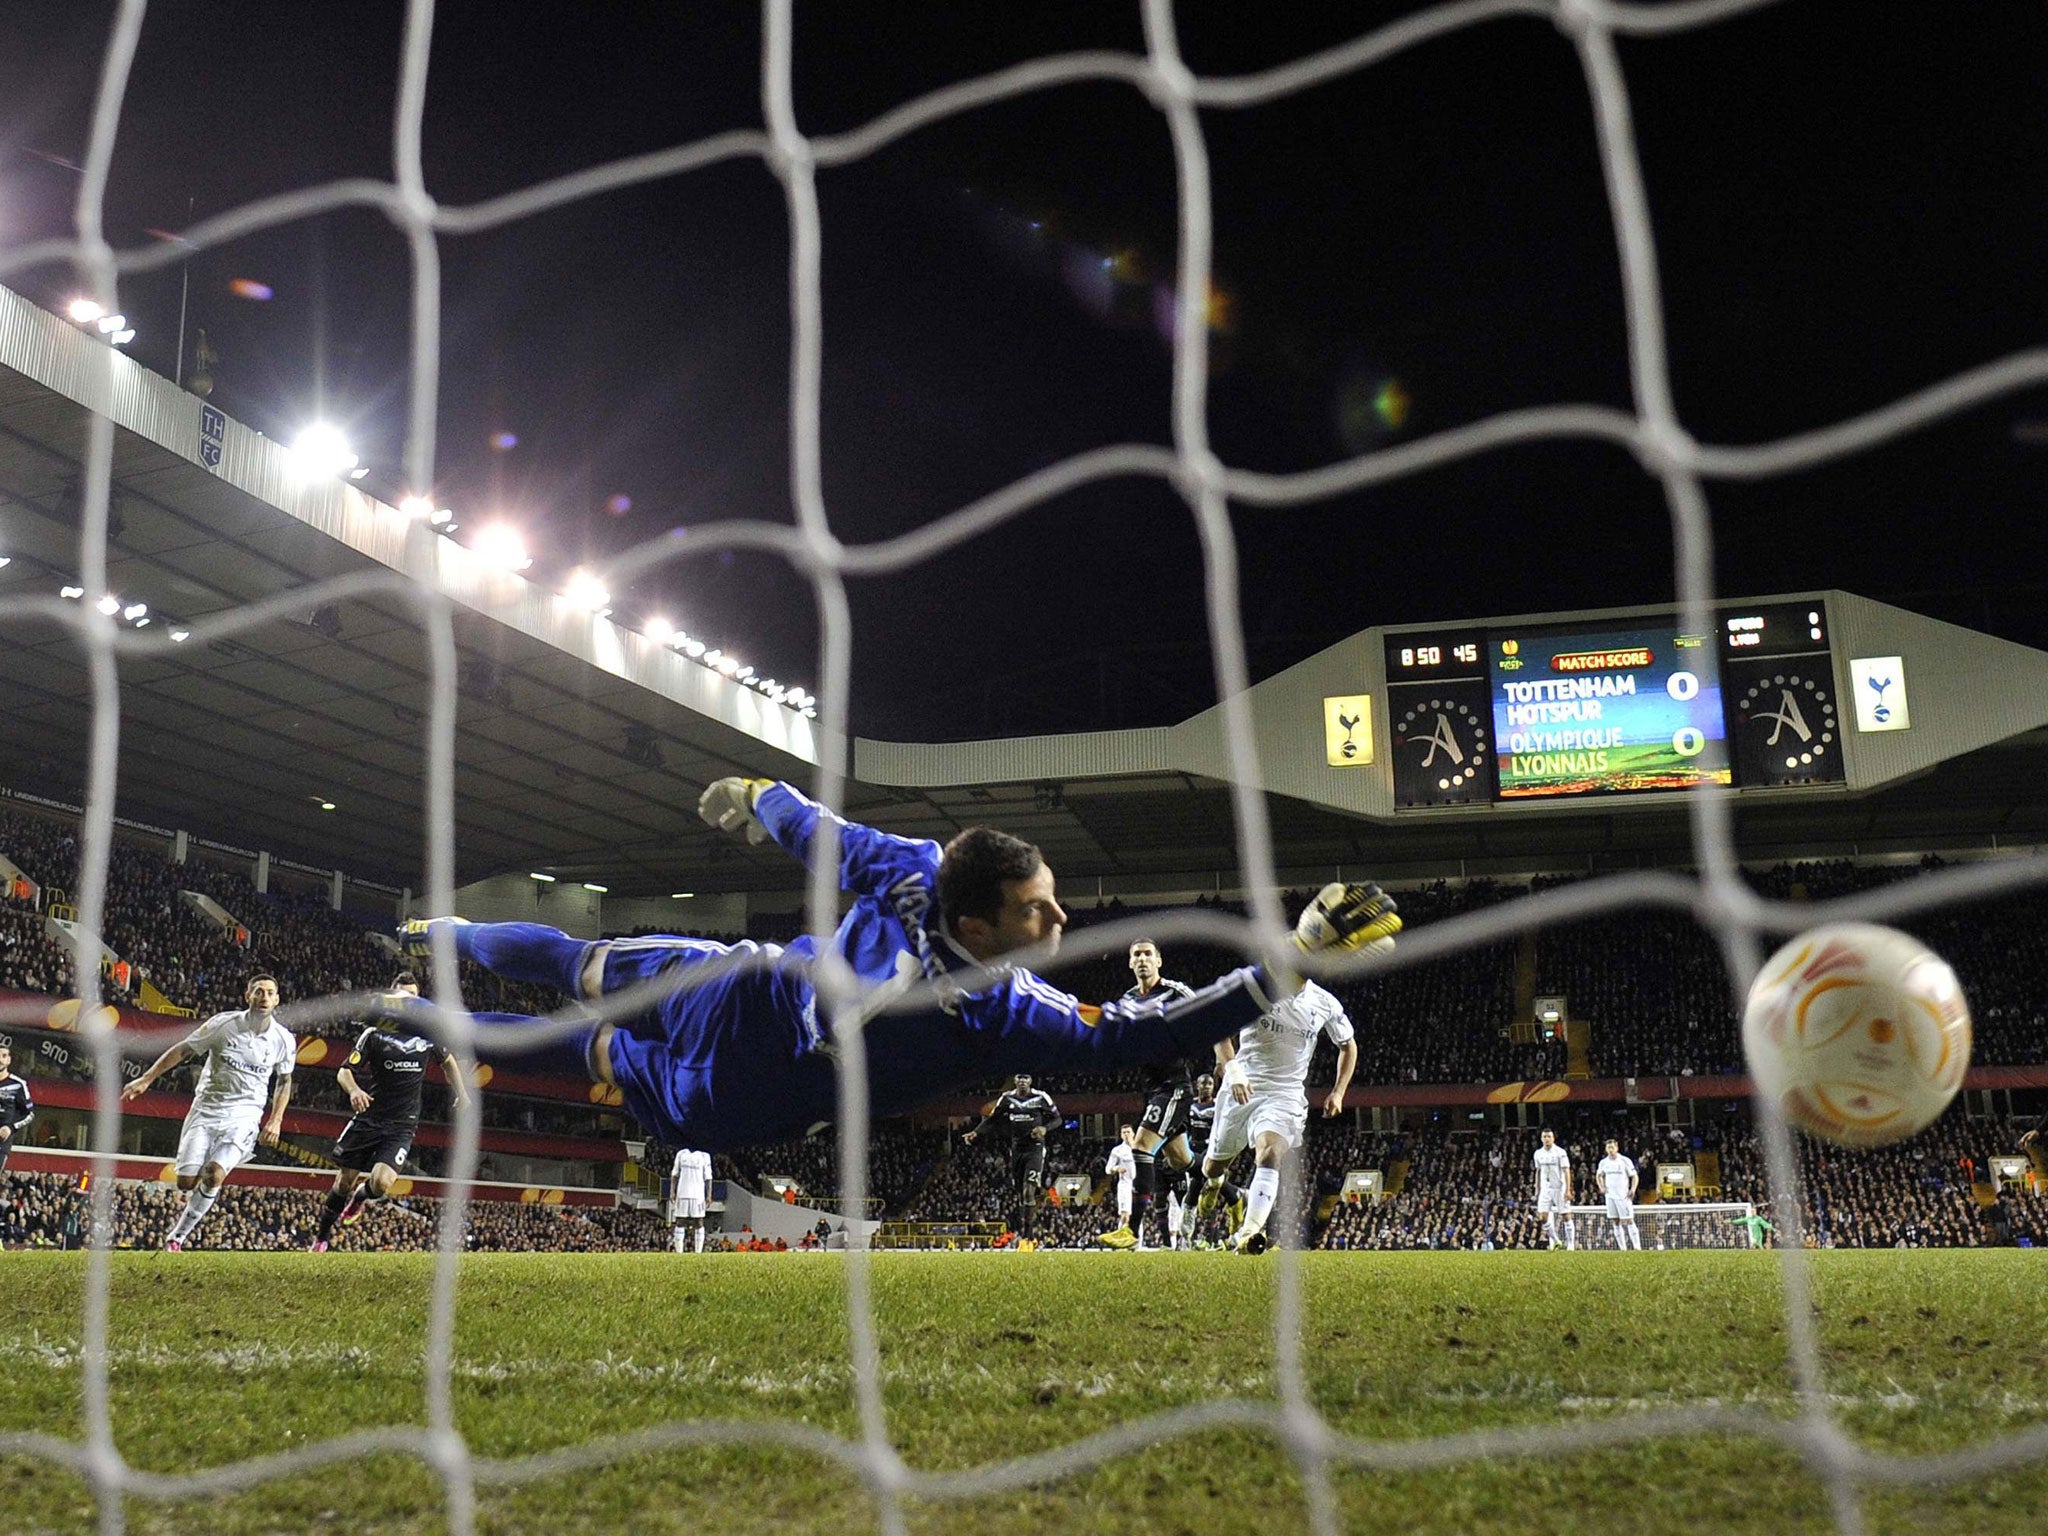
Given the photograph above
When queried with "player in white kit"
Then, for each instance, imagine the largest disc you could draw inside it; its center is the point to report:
(1618, 1178)
(245, 1049)
(1123, 1167)
(1554, 1188)
(1264, 1102)
(690, 1188)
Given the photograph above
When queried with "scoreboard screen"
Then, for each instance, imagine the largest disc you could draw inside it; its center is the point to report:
(1614, 707)
(1607, 711)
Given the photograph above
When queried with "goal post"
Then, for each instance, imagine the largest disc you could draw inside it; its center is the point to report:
(1687, 1224)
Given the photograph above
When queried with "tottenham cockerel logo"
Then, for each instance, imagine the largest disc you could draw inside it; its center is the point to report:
(1450, 736)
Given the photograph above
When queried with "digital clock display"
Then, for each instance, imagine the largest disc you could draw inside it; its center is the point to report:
(1455, 653)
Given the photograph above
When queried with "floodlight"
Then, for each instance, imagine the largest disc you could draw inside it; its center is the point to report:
(109, 605)
(543, 879)
(85, 311)
(180, 636)
(660, 631)
(134, 611)
(727, 665)
(585, 591)
(321, 452)
(693, 648)
(600, 889)
(416, 507)
(112, 323)
(500, 547)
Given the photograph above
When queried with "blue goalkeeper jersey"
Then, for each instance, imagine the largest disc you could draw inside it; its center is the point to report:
(893, 938)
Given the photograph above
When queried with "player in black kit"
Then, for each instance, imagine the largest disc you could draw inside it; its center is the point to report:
(1020, 1117)
(1201, 1121)
(1168, 1090)
(16, 1107)
(382, 1079)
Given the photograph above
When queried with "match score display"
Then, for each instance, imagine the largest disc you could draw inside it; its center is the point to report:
(1580, 712)
(1614, 707)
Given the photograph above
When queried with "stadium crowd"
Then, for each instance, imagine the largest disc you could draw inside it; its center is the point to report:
(1462, 1189)
(193, 960)
(50, 1210)
(1651, 985)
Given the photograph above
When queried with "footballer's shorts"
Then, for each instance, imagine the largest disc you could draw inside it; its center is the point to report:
(364, 1144)
(1166, 1111)
(1620, 1208)
(1551, 1200)
(1027, 1163)
(207, 1139)
(1240, 1125)
(686, 1208)
(1123, 1200)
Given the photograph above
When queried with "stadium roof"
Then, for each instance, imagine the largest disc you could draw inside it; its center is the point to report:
(581, 746)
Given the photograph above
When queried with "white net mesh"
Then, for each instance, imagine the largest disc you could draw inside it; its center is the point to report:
(1653, 433)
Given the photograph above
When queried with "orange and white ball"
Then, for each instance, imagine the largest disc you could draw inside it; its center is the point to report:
(1859, 1032)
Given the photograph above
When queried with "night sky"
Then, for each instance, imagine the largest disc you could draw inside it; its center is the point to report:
(1848, 208)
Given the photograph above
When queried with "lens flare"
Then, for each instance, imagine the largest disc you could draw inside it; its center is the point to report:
(249, 288)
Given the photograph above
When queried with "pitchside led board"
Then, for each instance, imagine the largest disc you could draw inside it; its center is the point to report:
(1560, 711)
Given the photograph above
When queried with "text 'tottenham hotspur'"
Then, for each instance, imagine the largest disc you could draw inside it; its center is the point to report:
(1561, 701)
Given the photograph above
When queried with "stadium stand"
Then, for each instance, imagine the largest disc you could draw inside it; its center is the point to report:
(48, 1210)
(1650, 988)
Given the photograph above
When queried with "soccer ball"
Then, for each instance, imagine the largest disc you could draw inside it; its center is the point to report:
(1860, 1033)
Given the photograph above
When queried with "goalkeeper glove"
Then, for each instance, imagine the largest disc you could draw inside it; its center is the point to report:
(728, 805)
(1347, 918)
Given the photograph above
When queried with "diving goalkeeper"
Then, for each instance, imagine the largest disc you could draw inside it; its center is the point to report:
(737, 1054)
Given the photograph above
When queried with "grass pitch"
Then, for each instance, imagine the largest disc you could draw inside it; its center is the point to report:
(220, 1357)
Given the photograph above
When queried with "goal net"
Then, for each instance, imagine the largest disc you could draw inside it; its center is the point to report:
(1651, 431)
(1708, 1224)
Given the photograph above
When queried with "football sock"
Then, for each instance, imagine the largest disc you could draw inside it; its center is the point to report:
(698, 1237)
(1259, 1203)
(1147, 1183)
(197, 1203)
(531, 952)
(330, 1213)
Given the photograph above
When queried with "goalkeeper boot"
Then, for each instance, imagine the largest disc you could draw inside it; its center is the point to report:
(415, 935)
(1121, 1237)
